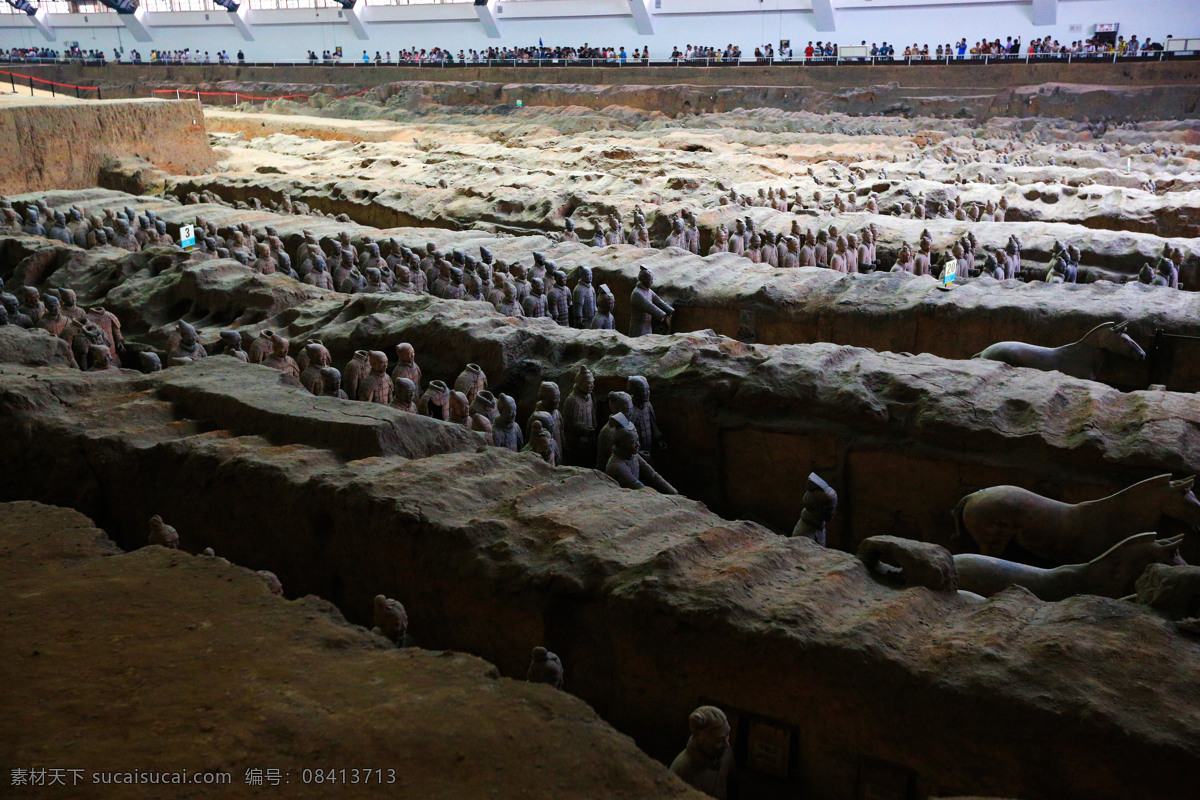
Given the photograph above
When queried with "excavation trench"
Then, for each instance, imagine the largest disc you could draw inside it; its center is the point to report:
(491, 550)
(732, 412)
(658, 603)
(652, 601)
(886, 312)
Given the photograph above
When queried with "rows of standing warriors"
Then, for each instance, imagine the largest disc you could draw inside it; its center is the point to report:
(568, 433)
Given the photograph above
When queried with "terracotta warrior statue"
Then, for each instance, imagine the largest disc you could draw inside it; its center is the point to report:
(678, 237)
(390, 620)
(706, 761)
(627, 466)
(791, 258)
(644, 420)
(70, 308)
(620, 405)
(737, 240)
(375, 386)
(331, 383)
(404, 395)
(821, 249)
(866, 252)
(808, 253)
(85, 339)
(545, 667)
(355, 371)
(604, 321)
(100, 359)
(310, 376)
(279, 358)
(646, 307)
(923, 260)
(505, 431)
(509, 306)
(548, 401)
(851, 254)
(558, 299)
(32, 305)
(53, 320)
(435, 402)
(406, 364)
(579, 421)
(820, 504)
(570, 235)
(459, 409)
(483, 412)
(540, 442)
(108, 322)
(838, 261)
(231, 345)
(720, 241)
(163, 534)
(189, 348)
(583, 300)
(471, 381)
(16, 316)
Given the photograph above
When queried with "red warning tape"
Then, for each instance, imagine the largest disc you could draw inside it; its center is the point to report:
(43, 80)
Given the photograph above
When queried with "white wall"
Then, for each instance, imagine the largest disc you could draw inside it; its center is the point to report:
(288, 35)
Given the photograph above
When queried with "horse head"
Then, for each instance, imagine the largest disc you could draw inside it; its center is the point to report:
(1111, 337)
(1125, 561)
(1180, 502)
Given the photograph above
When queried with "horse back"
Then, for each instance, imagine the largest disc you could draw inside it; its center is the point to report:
(987, 576)
(995, 516)
(1020, 354)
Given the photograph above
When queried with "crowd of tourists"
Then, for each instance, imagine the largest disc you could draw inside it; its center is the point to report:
(1012, 48)
(73, 53)
(818, 52)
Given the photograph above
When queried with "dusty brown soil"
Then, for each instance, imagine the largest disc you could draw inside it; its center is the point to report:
(51, 144)
(158, 660)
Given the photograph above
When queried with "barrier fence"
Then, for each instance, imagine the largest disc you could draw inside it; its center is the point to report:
(839, 60)
(12, 79)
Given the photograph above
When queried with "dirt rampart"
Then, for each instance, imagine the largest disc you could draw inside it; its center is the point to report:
(52, 145)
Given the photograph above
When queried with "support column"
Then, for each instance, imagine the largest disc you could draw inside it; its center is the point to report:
(41, 21)
(823, 16)
(357, 23)
(643, 17)
(241, 21)
(486, 11)
(1045, 12)
(137, 25)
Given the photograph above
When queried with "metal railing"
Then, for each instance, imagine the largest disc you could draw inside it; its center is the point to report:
(15, 79)
(952, 60)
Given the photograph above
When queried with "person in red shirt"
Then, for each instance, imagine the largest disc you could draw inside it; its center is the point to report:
(808, 52)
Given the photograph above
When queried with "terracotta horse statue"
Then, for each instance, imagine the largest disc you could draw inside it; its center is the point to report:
(1111, 574)
(1082, 359)
(1071, 534)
